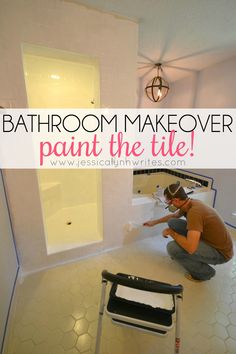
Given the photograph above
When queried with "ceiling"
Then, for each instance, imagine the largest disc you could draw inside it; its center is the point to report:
(185, 35)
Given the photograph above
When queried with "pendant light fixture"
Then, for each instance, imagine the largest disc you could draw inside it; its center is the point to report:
(157, 88)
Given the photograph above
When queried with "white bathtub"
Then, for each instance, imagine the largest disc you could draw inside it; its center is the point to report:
(143, 207)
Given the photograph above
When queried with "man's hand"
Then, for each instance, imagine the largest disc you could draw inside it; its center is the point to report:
(150, 223)
(167, 232)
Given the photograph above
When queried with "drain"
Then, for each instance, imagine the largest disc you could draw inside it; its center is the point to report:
(69, 223)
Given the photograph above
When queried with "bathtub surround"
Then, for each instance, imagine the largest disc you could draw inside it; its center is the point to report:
(70, 27)
(149, 181)
(201, 179)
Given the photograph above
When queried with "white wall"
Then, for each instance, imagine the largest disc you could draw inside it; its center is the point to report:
(8, 262)
(224, 181)
(66, 26)
(213, 87)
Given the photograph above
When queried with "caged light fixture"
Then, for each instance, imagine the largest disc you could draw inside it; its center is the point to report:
(157, 88)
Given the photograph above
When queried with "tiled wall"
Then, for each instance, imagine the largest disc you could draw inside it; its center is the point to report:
(204, 180)
(71, 27)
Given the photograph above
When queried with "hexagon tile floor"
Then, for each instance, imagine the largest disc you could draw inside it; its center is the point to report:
(56, 311)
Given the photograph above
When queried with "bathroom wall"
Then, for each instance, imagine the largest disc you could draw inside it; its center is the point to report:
(73, 191)
(8, 262)
(213, 87)
(224, 181)
(64, 79)
(71, 27)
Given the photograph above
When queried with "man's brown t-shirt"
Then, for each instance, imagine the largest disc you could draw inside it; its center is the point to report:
(201, 217)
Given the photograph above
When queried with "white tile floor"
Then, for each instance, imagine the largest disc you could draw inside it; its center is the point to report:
(56, 310)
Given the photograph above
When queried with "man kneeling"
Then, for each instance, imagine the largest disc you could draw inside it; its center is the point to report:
(200, 240)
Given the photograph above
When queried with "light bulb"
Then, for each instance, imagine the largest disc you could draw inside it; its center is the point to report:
(55, 77)
(159, 93)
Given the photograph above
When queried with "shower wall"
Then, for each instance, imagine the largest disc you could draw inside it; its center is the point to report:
(73, 182)
(60, 79)
(72, 208)
(71, 27)
(71, 199)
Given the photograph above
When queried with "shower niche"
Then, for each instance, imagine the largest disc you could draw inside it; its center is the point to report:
(70, 198)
